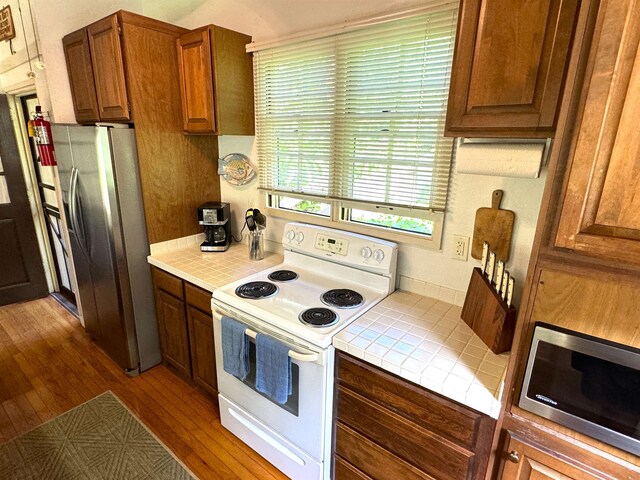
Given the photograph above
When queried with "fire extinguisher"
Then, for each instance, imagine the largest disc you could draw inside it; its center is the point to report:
(43, 138)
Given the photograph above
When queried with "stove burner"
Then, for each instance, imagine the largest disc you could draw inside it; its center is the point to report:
(318, 317)
(342, 298)
(283, 276)
(256, 290)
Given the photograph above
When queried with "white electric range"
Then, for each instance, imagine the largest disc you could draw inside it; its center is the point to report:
(328, 279)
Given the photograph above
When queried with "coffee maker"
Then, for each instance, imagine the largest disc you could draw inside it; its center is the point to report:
(214, 217)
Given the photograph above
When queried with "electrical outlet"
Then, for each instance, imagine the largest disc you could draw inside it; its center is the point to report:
(460, 247)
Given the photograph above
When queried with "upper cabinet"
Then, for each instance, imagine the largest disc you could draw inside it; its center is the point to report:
(108, 69)
(601, 208)
(83, 90)
(96, 72)
(509, 67)
(124, 68)
(216, 80)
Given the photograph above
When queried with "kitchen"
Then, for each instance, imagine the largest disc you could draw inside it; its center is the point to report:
(446, 279)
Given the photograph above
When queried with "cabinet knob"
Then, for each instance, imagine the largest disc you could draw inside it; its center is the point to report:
(513, 456)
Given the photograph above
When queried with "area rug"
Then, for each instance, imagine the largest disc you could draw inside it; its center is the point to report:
(100, 439)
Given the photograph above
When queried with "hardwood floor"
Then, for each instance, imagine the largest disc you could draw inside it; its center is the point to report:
(48, 365)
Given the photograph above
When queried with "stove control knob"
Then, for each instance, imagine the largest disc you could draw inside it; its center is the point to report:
(300, 237)
(366, 252)
(291, 235)
(378, 255)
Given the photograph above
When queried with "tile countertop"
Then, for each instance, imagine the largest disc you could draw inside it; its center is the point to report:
(425, 341)
(210, 270)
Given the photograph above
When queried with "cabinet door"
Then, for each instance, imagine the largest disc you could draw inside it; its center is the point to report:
(203, 358)
(174, 337)
(524, 461)
(83, 89)
(196, 81)
(509, 67)
(601, 209)
(108, 69)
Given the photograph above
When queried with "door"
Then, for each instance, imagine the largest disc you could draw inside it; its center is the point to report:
(203, 357)
(172, 324)
(509, 67)
(83, 88)
(301, 420)
(45, 177)
(196, 81)
(108, 69)
(601, 210)
(22, 273)
(523, 461)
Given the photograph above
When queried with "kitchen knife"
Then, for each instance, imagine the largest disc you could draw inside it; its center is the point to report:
(491, 267)
(505, 285)
(485, 254)
(510, 291)
(499, 274)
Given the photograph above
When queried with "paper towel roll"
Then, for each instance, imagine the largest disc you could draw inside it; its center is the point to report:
(500, 159)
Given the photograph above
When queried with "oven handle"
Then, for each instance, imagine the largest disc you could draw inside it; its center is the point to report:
(301, 357)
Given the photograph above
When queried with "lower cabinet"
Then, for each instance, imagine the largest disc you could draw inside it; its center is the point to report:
(388, 428)
(529, 453)
(186, 329)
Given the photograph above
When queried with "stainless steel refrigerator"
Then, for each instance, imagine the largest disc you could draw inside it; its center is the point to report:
(100, 184)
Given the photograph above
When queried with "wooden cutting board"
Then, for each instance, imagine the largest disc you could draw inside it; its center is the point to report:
(495, 226)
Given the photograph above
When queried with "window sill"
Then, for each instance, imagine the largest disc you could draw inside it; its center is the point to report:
(428, 243)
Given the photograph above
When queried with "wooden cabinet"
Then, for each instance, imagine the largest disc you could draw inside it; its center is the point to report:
(216, 80)
(174, 336)
(96, 72)
(81, 82)
(601, 207)
(388, 428)
(124, 68)
(509, 67)
(186, 329)
(524, 461)
(529, 453)
(108, 69)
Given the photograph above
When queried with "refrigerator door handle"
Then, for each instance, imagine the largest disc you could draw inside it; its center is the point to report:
(78, 227)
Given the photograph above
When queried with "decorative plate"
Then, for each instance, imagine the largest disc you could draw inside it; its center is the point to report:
(236, 169)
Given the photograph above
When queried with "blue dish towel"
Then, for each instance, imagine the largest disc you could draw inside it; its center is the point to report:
(273, 368)
(235, 348)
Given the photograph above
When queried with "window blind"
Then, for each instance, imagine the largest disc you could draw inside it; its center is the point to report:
(360, 115)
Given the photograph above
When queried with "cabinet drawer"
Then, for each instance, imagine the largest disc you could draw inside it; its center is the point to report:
(343, 470)
(167, 282)
(406, 440)
(198, 297)
(428, 410)
(372, 459)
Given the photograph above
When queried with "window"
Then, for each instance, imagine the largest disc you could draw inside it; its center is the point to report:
(350, 126)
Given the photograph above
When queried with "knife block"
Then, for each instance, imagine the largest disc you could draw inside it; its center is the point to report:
(488, 315)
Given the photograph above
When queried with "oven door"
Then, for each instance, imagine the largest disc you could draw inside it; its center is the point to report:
(304, 419)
